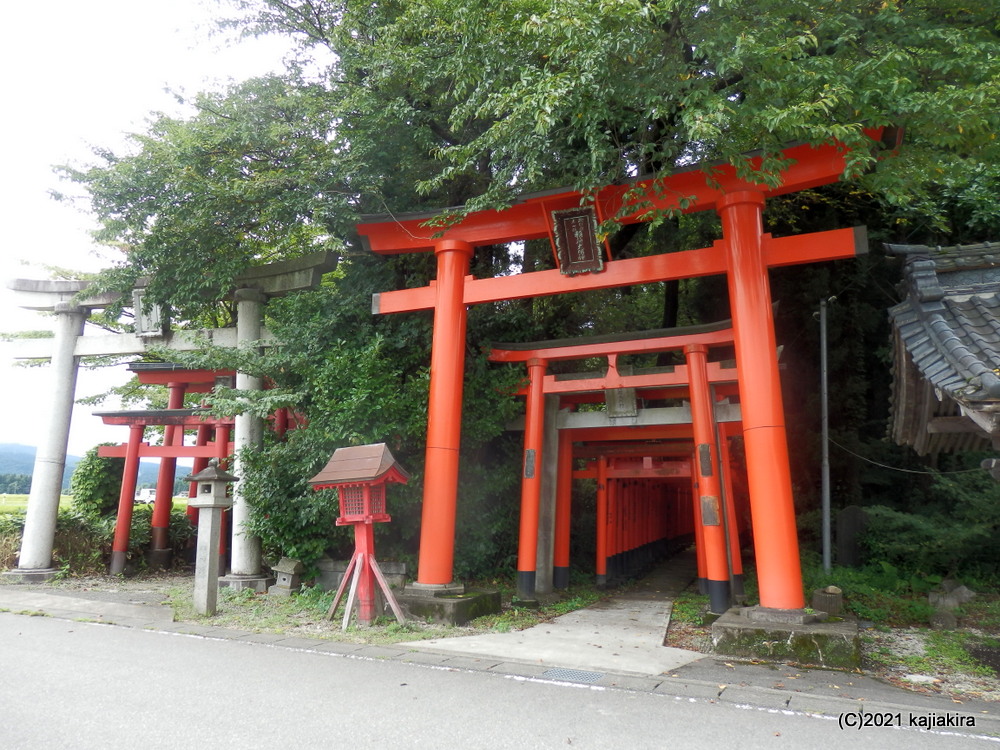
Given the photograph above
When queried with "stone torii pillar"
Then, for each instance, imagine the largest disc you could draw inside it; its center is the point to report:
(35, 558)
(248, 433)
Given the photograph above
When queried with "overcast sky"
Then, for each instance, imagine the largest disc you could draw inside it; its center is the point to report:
(78, 75)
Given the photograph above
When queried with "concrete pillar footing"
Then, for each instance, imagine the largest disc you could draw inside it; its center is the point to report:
(159, 559)
(431, 590)
(29, 575)
(786, 616)
(259, 583)
(779, 635)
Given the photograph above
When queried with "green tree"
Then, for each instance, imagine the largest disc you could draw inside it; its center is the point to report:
(15, 484)
(248, 180)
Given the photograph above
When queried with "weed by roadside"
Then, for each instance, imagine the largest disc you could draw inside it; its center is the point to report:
(304, 615)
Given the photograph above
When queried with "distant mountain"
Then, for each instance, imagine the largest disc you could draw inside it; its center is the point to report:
(20, 459)
(16, 459)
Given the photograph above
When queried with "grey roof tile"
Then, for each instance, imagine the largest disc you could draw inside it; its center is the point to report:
(947, 341)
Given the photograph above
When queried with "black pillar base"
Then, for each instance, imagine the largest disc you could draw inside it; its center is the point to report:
(718, 596)
(560, 578)
(739, 592)
(526, 585)
(159, 559)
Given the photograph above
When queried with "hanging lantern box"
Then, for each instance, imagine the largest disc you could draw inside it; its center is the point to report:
(360, 474)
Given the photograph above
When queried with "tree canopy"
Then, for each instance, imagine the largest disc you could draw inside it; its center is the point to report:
(518, 95)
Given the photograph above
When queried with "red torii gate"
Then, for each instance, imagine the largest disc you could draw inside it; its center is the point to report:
(213, 440)
(175, 420)
(714, 519)
(744, 254)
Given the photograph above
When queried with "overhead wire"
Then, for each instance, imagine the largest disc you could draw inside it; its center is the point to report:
(898, 468)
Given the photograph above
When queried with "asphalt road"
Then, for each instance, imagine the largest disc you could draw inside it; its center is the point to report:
(83, 685)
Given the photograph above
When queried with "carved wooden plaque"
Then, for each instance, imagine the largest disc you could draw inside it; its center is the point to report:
(577, 245)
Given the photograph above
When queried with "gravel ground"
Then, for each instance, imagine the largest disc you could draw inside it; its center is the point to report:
(882, 654)
(913, 642)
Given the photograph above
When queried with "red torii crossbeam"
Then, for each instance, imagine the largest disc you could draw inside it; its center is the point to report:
(744, 254)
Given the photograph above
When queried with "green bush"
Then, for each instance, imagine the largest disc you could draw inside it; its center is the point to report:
(11, 526)
(82, 542)
(954, 532)
(879, 592)
(97, 483)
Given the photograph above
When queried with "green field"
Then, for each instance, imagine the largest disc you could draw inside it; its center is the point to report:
(12, 503)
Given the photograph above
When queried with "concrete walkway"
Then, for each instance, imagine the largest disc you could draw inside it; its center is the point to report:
(624, 635)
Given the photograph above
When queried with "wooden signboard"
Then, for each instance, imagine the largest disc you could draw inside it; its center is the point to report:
(577, 246)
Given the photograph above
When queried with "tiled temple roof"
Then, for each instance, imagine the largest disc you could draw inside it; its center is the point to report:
(946, 333)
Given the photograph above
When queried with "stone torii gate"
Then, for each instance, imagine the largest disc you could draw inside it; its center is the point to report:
(69, 300)
(570, 220)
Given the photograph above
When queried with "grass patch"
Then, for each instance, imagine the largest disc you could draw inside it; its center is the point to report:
(944, 652)
(947, 651)
(302, 615)
(982, 613)
(689, 608)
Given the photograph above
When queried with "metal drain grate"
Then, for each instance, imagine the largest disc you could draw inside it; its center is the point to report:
(572, 675)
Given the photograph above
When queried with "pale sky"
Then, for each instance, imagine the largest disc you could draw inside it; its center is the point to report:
(77, 75)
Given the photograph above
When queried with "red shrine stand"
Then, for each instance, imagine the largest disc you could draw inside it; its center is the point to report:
(570, 220)
(360, 474)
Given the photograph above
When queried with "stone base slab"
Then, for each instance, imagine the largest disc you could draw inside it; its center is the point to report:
(260, 584)
(331, 572)
(449, 609)
(29, 575)
(431, 590)
(834, 644)
(787, 616)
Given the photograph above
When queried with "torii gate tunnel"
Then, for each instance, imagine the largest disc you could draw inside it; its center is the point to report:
(569, 219)
(660, 472)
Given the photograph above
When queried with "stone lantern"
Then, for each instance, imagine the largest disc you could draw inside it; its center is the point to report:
(289, 577)
(212, 500)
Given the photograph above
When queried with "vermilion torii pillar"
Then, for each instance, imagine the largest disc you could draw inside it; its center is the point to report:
(159, 543)
(744, 253)
(771, 503)
(706, 474)
(531, 480)
(444, 417)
